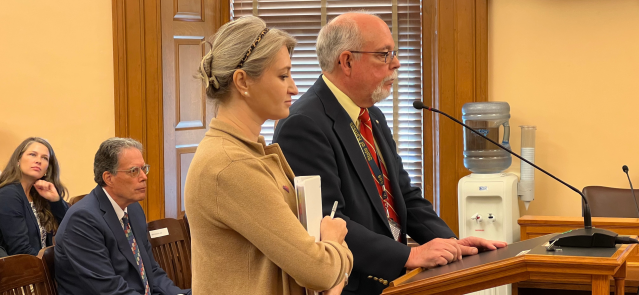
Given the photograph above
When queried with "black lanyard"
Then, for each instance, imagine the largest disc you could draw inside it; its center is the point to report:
(369, 158)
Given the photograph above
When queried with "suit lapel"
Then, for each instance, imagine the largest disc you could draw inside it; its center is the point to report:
(342, 128)
(114, 224)
(391, 167)
(29, 210)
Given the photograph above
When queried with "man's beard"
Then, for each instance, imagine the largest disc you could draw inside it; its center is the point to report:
(380, 93)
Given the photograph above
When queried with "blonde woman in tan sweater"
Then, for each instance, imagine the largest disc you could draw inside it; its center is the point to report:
(239, 197)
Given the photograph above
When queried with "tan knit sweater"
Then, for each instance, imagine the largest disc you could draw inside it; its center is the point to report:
(246, 238)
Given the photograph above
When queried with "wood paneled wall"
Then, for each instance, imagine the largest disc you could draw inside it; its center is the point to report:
(137, 44)
(455, 69)
(138, 89)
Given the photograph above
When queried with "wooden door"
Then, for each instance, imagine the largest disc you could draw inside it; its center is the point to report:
(187, 111)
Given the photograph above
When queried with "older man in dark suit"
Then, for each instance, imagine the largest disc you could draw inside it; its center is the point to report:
(335, 131)
(101, 245)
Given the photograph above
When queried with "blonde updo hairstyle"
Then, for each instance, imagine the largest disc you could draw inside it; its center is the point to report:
(230, 45)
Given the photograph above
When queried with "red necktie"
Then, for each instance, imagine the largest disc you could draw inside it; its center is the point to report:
(366, 129)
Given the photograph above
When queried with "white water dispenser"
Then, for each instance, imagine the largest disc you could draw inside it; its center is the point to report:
(488, 206)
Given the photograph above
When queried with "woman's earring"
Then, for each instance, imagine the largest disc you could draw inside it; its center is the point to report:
(246, 93)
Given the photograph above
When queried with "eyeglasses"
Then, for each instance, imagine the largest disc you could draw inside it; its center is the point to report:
(386, 54)
(135, 171)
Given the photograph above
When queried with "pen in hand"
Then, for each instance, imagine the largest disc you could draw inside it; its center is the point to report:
(334, 209)
(333, 229)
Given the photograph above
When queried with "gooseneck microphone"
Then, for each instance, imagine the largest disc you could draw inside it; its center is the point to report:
(625, 169)
(587, 237)
(587, 217)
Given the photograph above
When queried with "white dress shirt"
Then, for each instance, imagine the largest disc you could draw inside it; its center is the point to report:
(118, 211)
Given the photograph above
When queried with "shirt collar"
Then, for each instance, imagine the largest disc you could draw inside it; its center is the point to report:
(220, 126)
(347, 103)
(118, 211)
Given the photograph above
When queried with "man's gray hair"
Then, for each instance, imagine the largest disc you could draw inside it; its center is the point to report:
(106, 159)
(338, 35)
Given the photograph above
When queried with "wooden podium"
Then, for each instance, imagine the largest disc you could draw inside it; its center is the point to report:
(518, 262)
(535, 226)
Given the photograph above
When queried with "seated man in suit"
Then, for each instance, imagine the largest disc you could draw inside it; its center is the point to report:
(335, 131)
(101, 245)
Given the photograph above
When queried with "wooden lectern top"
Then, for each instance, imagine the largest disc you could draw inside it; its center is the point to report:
(518, 262)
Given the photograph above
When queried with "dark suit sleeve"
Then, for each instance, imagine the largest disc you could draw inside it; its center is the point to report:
(309, 152)
(423, 223)
(59, 209)
(13, 223)
(87, 253)
(162, 285)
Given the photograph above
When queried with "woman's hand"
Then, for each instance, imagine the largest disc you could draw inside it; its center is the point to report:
(335, 290)
(333, 229)
(47, 190)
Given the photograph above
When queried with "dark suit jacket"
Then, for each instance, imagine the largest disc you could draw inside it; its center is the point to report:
(19, 231)
(93, 256)
(316, 139)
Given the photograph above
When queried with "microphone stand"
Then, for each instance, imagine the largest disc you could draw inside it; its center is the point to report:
(587, 237)
(625, 170)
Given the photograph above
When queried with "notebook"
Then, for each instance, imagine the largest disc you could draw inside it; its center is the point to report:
(309, 207)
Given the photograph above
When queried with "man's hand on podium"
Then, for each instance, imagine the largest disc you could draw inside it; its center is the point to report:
(444, 251)
(480, 244)
(436, 252)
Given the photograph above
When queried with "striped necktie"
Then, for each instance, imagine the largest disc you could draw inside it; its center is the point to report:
(136, 252)
(366, 129)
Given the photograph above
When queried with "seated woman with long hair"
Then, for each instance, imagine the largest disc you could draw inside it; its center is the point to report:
(31, 198)
(239, 195)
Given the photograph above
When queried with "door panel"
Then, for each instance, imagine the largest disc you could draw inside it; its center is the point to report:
(187, 111)
(190, 99)
(184, 156)
(188, 10)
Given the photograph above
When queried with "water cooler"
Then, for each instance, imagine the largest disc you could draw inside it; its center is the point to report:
(488, 206)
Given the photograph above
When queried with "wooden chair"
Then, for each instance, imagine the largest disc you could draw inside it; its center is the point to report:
(610, 202)
(187, 227)
(172, 250)
(47, 256)
(75, 199)
(24, 274)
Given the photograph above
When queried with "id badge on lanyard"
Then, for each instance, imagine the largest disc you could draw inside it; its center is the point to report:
(394, 226)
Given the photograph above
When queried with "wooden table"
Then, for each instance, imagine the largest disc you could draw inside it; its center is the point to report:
(509, 265)
(536, 226)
